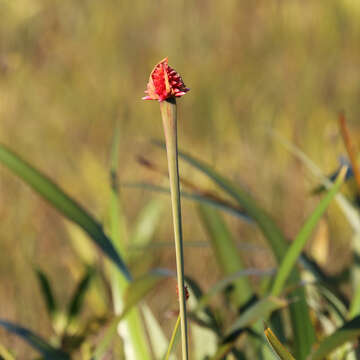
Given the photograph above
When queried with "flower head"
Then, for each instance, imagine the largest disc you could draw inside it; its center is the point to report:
(164, 83)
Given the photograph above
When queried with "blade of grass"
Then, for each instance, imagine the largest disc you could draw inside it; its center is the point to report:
(131, 329)
(174, 338)
(226, 252)
(303, 330)
(39, 344)
(134, 293)
(349, 332)
(76, 303)
(260, 310)
(347, 208)
(222, 284)
(63, 203)
(299, 243)
(47, 293)
(158, 340)
(200, 198)
(278, 348)
(196, 294)
(146, 223)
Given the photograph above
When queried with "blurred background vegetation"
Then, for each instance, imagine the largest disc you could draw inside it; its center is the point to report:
(70, 71)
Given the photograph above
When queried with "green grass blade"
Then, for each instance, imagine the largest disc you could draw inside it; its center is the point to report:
(175, 337)
(39, 344)
(134, 293)
(297, 246)
(199, 198)
(303, 330)
(226, 252)
(132, 329)
(62, 202)
(278, 348)
(5, 354)
(47, 293)
(158, 340)
(146, 224)
(222, 284)
(140, 287)
(349, 332)
(260, 310)
(76, 303)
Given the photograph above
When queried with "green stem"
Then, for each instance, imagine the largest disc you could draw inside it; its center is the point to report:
(168, 113)
(173, 337)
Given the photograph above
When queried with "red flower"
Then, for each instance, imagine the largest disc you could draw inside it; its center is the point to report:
(164, 83)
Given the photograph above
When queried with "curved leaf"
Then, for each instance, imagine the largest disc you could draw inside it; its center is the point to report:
(222, 284)
(39, 344)
(299, 243)
(63, 203)
(261, 309)
(347, 333)
(197, 197)
(47, 293)
(278, 348)
(226, 253)
(75, 304)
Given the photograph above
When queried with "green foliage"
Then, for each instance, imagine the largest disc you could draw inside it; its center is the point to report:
(62, 202)
(349, 332)
(226, 253)
(46, 350)
(70, 69)
(297, 246)
(276, 345)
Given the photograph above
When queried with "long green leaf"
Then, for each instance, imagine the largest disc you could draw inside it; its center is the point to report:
(226, 252)
(303, 330)
(258, 311)
(77, 300)
(197, 197)
(135, 292)
(299, 243)
(132, 329)
(146, 224)
(39, 344)
(278, 348)
(174, 339)
(63, 203)
(46, 292)
(222, 284)
(349, 332)
(159, 342)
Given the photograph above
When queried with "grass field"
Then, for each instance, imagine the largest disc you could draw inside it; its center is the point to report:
(268, 80)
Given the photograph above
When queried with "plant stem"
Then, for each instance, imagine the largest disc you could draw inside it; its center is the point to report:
(168, 113)
(173, 337)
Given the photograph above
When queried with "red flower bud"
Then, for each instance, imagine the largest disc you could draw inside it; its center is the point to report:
(164, 83)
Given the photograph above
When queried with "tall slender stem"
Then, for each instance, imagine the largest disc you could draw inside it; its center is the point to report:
(168, 113)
